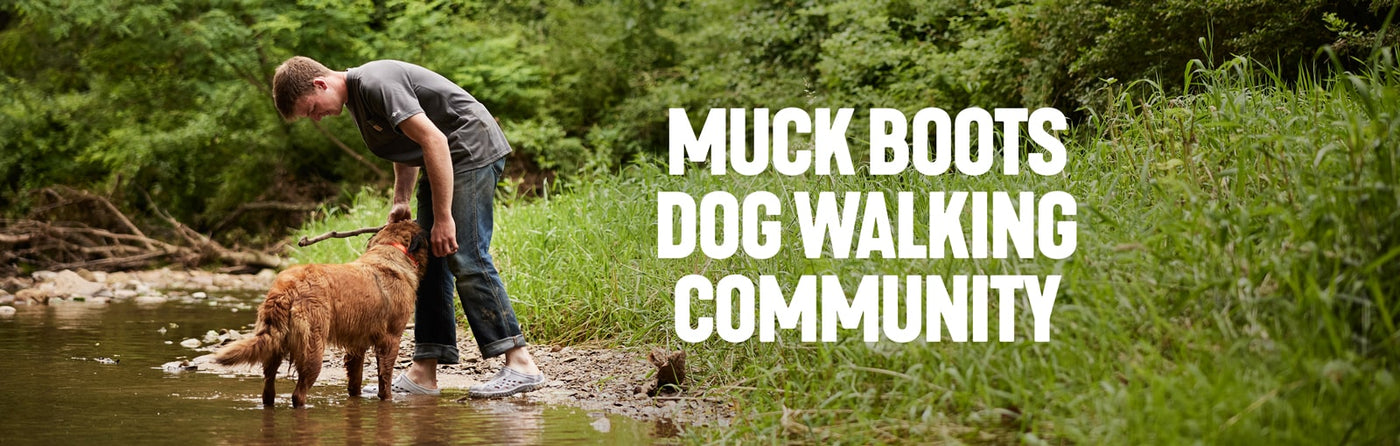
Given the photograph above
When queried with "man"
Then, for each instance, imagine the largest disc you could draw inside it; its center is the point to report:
(417, 118)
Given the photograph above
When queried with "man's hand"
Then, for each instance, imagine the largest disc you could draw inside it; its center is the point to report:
(444, 237)
(437, 163)
(399, 213)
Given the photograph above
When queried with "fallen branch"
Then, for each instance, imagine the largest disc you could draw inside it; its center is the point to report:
(63, 243)
(336, 234)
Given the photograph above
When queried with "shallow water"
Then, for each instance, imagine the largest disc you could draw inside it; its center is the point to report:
(56, 387)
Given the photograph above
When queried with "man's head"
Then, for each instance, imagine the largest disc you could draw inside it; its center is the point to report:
(303, 87)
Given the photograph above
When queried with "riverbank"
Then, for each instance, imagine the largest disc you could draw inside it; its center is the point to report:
(596, 379)
(592, 378)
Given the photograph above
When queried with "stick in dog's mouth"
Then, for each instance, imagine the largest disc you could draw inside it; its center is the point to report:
(337, 234)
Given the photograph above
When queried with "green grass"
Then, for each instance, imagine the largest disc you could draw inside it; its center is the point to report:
(1235, 282)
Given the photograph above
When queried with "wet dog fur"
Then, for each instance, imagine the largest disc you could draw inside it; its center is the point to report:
(359, 305)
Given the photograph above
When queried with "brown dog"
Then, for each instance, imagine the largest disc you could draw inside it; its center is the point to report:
(358, 305)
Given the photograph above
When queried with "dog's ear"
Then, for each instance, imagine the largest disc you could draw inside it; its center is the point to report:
(418, 241)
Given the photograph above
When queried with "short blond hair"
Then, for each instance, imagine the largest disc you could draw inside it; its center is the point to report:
(292, 80)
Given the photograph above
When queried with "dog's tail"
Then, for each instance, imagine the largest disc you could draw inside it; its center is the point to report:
(269, 337)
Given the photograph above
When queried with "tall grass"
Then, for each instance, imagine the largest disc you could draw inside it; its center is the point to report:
(1235, 282)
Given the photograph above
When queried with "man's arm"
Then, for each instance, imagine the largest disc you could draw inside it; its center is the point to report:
(404, 178)
(437, 163)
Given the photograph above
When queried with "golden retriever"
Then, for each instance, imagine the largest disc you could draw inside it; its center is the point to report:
(358, 305)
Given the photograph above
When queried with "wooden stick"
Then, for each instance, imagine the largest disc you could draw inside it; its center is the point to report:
(337, 234)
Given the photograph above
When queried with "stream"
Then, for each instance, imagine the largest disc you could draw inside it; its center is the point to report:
(90, 373)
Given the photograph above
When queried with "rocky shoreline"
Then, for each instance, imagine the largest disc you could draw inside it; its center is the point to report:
(96, 287)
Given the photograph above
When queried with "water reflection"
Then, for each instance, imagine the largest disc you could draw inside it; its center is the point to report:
(135, 402)
(73, 315)
(423, 420)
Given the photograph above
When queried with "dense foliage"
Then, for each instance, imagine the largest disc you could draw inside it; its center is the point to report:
(165, 104)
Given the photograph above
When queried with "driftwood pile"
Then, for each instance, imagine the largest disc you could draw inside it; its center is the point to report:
(77, 229)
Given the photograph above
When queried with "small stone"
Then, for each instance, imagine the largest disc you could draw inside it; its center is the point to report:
(118, 277)
(199, 295)
(85, 274)
(178, 367)
(211, 337)
(7, 311)
(124, 294)
(33, 295)
(150, 300)
(601, 425)
(6, 298)
(190, 343)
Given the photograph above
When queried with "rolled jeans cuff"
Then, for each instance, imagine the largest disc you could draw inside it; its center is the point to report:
(500, 347)
(444, 354)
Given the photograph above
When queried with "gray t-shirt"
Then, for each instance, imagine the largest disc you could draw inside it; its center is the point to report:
(384, 93)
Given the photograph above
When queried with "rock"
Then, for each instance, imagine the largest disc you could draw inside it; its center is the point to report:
(43, 276)
(33, 295)
(199, 295)
(69, 283)
(601, 424)
(100, 300)
(211, 337)
(99, 276)
(6, 298)
(150, 300)
(7, 311)
(670, 369)
(104, 360)
(190, 343)
(178, 367)
(14, 284)
(201, 281)
(85, 274)
(266, 275)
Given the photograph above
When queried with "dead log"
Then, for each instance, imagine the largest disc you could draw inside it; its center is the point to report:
(58, 244)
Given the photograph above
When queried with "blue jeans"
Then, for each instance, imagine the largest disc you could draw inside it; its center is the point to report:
(484, 298)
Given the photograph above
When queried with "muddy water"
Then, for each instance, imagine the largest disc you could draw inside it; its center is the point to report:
(59, 385)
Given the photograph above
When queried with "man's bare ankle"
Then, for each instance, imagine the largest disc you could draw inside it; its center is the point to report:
(423, 374)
